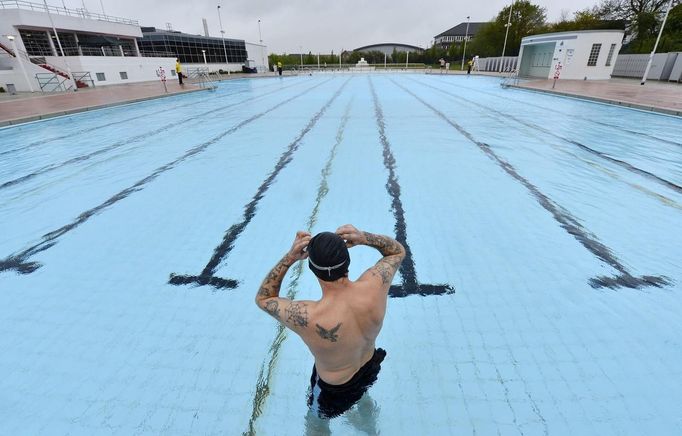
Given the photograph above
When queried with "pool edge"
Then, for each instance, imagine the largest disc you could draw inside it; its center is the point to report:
(619, 103)
(32, 118)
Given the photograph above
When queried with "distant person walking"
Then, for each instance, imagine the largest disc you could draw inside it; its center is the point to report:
(178, 69)
(469, 65)
(442, 65)
(279, 68)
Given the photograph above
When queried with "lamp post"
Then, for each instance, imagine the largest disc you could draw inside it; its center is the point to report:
(653, 52)
(222, 34)
(61, 50)
(262, 53)
(506, 33)
(21, 63)
(466, 35)
(101, 3)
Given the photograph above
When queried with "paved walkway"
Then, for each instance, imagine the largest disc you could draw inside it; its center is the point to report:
(31, 107)
(663, 97)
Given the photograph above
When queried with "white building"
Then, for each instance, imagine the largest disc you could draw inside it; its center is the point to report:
(98, 49)
(580, 55)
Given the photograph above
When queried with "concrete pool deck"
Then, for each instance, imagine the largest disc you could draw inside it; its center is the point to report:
(26, 107)
(654, 96)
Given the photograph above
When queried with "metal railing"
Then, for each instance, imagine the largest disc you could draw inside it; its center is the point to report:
(79, 13)
(196, 72)
(354, 67)
(157, 54)
(205, 82)
(84, 78)
(511, 78)
(52, 82)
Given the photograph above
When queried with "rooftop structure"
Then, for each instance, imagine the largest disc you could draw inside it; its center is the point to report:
(389, 47)
(99, 49)
(457, 34)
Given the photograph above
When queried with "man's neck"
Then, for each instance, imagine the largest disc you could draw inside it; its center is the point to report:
(332, 288)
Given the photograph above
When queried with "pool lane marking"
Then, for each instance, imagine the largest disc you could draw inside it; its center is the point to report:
(566, 114)
(268, 366)
(137, 138)
(113, 123)
(410, 285)
(565, 219)
(659, 197)
(19, 261)
(206, 276)
(582, 146)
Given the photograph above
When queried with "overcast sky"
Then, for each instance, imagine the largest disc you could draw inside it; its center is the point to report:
(316, 25)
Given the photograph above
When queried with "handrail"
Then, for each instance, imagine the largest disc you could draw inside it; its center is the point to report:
(157, 54)
(80, 13)
(205, 81)
(54, 81)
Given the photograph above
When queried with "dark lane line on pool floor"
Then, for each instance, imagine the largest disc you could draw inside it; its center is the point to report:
(532, 132)
(206, 276)
(408, 273)
(114, 123)
(134, 139)
(20, 263)
(582, 146)
(268, 366)
(565, 219)
(566, 114)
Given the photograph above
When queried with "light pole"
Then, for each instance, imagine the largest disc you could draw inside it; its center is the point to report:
(222, 33)
(262, 54)
(21, 63)
(59, 43)
(506, 33)
(466, 35)
(101, 3)
(203, 52)
(653, 52)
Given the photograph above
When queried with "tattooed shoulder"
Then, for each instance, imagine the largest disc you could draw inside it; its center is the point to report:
(297, 314)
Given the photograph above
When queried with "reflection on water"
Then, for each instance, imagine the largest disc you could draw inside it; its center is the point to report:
(361, 418)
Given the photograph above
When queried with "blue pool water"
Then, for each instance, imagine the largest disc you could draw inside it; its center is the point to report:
(541, 295)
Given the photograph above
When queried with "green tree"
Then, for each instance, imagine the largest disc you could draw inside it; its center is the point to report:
(645, 18)
(526, 19)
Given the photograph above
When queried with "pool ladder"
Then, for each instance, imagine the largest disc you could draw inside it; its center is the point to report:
(205, 82)
(512, 78)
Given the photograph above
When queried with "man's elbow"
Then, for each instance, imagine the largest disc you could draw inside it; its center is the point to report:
(402, 252)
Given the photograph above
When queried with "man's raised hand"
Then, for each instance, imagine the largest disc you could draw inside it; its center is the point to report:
(297, 251)
(351, 235)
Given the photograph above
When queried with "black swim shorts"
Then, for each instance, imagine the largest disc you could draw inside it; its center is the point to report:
(330, 401)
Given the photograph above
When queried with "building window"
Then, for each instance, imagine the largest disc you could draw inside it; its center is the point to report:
(594, 55)
(100, 77)
(610, 56)
(36, 42)
(124, 75)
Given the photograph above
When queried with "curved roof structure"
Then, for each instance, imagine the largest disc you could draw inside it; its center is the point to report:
(389, 46)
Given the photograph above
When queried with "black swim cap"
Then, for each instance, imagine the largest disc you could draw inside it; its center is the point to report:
(328, 256)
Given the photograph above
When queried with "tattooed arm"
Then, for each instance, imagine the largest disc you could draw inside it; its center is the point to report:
(392, 251)
(293, 314)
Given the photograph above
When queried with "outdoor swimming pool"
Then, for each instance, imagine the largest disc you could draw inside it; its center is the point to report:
(541, 294)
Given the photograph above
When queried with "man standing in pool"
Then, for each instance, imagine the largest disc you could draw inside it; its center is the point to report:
(341, 328)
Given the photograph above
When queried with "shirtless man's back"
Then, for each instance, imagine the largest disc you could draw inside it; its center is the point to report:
(341, 328)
